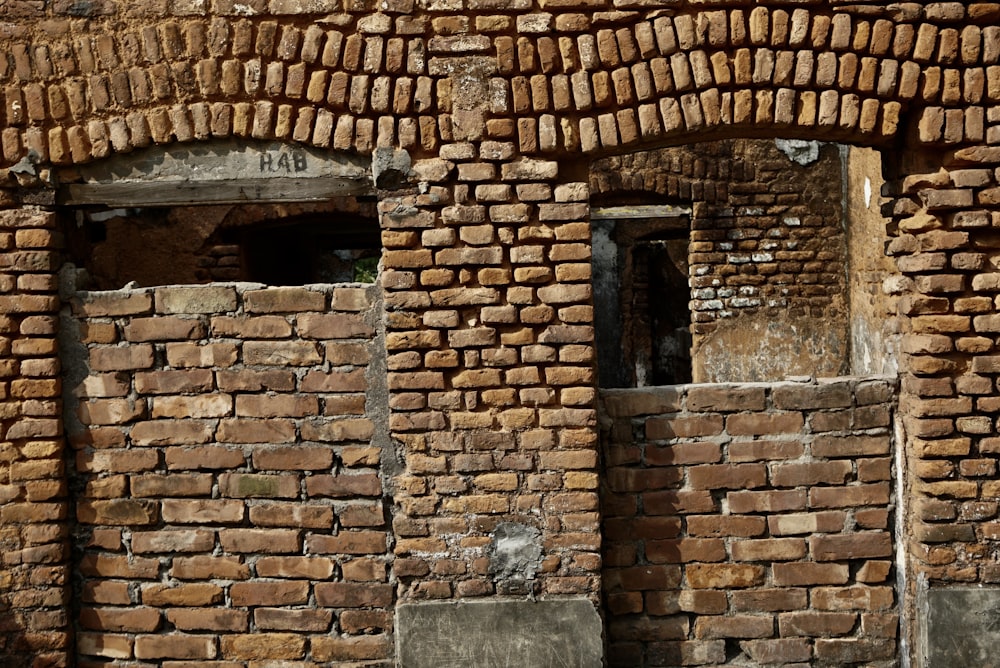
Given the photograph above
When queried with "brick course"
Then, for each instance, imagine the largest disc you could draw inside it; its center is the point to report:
(759, 555)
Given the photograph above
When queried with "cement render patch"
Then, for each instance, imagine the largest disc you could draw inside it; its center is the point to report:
(961, 626)
(560, 633)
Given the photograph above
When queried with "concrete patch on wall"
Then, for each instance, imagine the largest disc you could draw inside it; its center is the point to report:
(771, 345)
(515, 556)
(562, 633)
(961, 626)
(225, 159)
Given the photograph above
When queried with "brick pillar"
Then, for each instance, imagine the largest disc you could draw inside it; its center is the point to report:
(35, 626)
(947, 213)
(491, 378)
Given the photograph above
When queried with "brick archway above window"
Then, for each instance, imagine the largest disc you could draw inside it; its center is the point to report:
(552, 79)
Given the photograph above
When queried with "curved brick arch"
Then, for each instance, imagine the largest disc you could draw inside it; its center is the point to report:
(344, 88)
(640, 82)
(800, 73)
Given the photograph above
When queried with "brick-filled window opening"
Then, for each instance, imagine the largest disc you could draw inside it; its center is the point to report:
(274, 244)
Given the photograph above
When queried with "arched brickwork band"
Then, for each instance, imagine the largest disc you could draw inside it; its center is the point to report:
(491, 414)
(572, 81)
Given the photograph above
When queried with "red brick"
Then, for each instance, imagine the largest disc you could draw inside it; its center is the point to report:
(293, 458)
(744, 526)
(770, 600)
(853, 598)
(685, 550)
(259, 486)
(292, 514)
(171, 432)
(268, 541)
(349, 595)
(163, 329)
(810, 397)
(173, 540)
(669, 502)
(683, 453)
(769, 549)
(683, 427)
(830, 521)
(363, 648)
(724, 576)
(333, 326)
(284, 300)
(261, 327)
(208, 619)
(121, 359)
(308, 568)
(775, 501)
(251, 430)
(778, 651)
(755, 424)
(727, 476)
(131, 619)
(734, 626)
(748, 451)
(850, 446)
(177, 484)
(365, 621)
(125, 512)
(205, 457)
(194, 595)
(282, 619)
(343, 486)
(865, 545)
(175, 646)
(207, 568)
(263, 646)
(799, 574)
(348, 542)
(854, 650)
(811, 473)
(202, 511)
(710, 398)
(808, 623)
(255, 594)
(252, 380)
(876, 494)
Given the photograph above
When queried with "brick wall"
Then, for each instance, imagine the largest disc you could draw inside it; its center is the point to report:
(496, 105)
(749, 520)
(229, 496)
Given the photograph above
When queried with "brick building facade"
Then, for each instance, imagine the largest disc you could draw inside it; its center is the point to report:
(336, 473)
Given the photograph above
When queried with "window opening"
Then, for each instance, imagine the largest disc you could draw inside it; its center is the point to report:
(642, 294)
(274, 244)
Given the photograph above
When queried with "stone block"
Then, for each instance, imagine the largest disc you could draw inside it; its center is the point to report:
(564, 632)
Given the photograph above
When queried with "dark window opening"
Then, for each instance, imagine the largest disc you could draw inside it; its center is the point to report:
(286, 244)
(299, 251)
(641, 295)
(662, 316)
